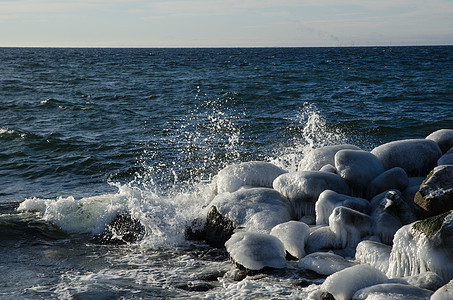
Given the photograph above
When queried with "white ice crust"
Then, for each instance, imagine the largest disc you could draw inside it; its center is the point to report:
(252, 173)
(328, 200)
(343, 284)
(293, 235)
(256, 251)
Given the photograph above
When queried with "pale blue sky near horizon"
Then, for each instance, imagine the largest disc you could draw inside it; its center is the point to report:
(219, 23)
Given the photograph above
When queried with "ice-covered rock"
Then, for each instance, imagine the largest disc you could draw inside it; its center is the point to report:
(344, 284)
(416, 156)
(328, 200)
(390, 214)
(256, 251)
(329, 168)
(394, 291)
(373, 253)
(320, 157)
(294, 236)
(349, 225)
(358, 168)
(252, 173)
(324, 263)
(322, 238)
(394, 178)
(443, 138)
(302, 188)
(428, 280)
(435, 195)
(424, 246)
(257, 209)
(446, 159)
(444, 293)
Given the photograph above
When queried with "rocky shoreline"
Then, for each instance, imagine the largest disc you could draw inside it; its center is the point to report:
(377, 223)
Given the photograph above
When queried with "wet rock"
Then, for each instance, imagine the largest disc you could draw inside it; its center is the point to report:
(218, 228)
(416, 156)
(123, 229)
(435, 195)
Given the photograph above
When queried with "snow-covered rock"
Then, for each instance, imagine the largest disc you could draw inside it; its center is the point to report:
(373, 253)
(435, 195)
(294, 236)
(394, 178)
(443, 138)
(252, 173)
(416, 156)
(424, 246)
(349, 225)
(302, 188)
(394, 291)
(344, 284)
(328, 200)
(358, 168)
(324, 263)
(255, 209)
(320, 157)
(256, 251)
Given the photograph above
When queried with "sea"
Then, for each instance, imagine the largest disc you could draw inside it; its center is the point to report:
(89, 133)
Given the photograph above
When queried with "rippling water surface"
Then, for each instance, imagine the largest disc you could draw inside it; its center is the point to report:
(88, 133)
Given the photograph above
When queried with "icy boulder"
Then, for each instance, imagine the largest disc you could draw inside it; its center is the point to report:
(328, 200)
(257, 209)
(302, 188)
(252, 173)
(390, 214)
(322, 239)
(320, 157)
(358, 168)
(443, 137)
(324, 263)
(294, 236)
(344, 284)
(424, 246)
(394, 178)
(446, 159)
(374, 254)
(256, 251)
(435, 195)
(444, 293)
(349, 225)
(428, 280)
(416, 156)
(394, 291)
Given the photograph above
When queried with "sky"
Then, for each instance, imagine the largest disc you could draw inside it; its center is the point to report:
(220, 23)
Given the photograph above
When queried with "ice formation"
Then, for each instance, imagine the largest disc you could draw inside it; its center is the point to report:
(302, 188)
(322, 238)
(394, 178)
(320, 157)
(328, 200)
(255, 251)
(373, 253)
(416, 156)
(443, 137)
(358, 168)
(343, 284)
(444, 293)
(349, 225)
(324, 263)
(428, 280)
(252, 173)
(394, 291)
(424, 246)
(294, 236)
(241, 206)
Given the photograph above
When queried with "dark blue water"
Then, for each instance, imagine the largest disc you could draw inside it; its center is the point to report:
(148, 127)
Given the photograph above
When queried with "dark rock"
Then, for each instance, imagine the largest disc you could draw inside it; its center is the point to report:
(218, 229)
(195, 287)
(435, 195)
(326, 296)
(122, 230)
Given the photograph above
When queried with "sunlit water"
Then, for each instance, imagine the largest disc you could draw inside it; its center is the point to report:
(86, 134)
